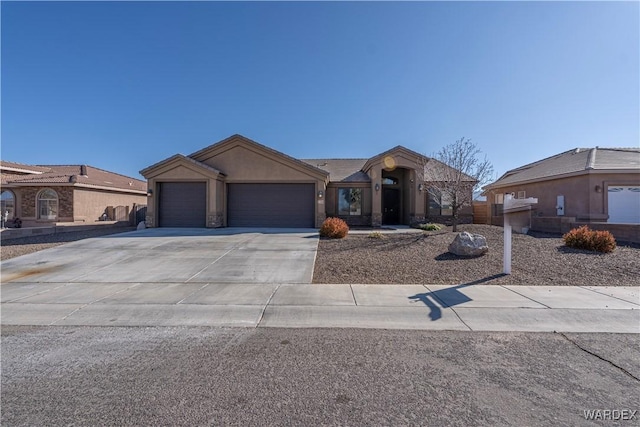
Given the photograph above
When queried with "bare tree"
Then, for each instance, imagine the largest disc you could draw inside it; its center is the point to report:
(453, 174)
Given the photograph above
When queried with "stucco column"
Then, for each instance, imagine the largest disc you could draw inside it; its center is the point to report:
(150, 218)
(321, 207)
(418, 201)
(215, 217)
(376, 196)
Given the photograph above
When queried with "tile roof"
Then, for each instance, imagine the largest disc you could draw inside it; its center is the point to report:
(80, 175)
(19, 167)
(573, 161)
(345, 170)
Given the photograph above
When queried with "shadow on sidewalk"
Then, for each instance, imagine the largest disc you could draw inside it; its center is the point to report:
(448, 297)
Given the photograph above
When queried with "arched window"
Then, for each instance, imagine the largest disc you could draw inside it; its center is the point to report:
(47, 204)
(7, 203)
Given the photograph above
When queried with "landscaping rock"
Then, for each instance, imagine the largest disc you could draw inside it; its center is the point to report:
(467, 244)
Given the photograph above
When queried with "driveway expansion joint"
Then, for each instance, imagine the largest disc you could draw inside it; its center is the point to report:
(524, 296)
(610, 296)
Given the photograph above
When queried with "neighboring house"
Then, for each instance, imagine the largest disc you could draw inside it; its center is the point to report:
(240, 183)
(43, 195)
(580, 186)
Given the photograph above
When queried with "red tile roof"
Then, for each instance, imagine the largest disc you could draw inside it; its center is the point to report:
(71, 175)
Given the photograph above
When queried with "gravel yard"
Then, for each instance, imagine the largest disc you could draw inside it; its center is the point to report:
(538, 260)
(26, 245)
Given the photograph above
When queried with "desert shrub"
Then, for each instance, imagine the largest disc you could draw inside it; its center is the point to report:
(429, 227)
(375, 235)
(334, 228)
(591, 240)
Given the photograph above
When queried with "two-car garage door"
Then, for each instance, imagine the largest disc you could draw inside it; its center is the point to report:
(183, 204)
(271, 205)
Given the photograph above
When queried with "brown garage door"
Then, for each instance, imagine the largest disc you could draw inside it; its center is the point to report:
(182, 204)
(271, 205)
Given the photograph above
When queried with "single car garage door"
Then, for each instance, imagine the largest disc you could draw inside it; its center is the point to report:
(624, 204)
(271, 205)
(183, 204)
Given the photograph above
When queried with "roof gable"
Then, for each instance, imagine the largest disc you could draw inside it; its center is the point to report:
(209, 153)
(390, 158)
(179, 161)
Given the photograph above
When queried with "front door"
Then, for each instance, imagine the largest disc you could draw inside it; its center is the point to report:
(391, 206)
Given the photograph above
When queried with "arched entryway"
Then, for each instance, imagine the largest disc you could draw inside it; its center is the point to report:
(395, 196)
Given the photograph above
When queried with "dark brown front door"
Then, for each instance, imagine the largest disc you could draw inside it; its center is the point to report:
(391, 206)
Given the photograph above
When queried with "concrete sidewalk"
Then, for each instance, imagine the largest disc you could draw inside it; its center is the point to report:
(425, 307)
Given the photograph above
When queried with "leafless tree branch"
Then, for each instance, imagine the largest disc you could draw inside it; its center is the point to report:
(454, 173)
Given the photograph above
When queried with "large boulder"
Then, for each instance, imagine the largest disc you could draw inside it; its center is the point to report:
(467, 244)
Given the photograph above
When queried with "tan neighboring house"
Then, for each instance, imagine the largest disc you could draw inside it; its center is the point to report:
(238, 182)
(595, 186)
(47, 194)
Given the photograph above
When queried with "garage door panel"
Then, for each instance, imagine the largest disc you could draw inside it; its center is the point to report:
(624, 204)
(271, 205)
(182, 204)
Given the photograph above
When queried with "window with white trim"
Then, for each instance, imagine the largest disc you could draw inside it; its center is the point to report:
(47, 204)
(7, 203)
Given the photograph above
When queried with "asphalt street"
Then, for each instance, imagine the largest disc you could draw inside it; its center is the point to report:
(269, 376)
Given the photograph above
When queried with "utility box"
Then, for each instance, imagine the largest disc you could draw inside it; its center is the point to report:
(560, 205)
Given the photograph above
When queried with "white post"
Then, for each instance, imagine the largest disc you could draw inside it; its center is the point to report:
(507, 238)
(507, 245)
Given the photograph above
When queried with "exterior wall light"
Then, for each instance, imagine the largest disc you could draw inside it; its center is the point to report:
(149, 192)
(377, 187)
(420, 187)
(598, 189)
(320, 194)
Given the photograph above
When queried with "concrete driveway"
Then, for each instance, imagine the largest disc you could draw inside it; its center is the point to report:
(171, 255)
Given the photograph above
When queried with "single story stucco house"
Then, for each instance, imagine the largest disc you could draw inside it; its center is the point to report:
(238, 182)
(593, 186)
(43, 195)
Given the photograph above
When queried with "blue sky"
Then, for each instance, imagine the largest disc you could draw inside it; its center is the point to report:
(121, 85)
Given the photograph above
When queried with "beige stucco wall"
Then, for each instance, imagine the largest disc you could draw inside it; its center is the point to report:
(241, 164)
(89, 205)
(582, 201)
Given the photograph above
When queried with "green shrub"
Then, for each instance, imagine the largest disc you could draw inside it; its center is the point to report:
(429, 227)
(334, 228)
(375, 235)
(591, 240)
